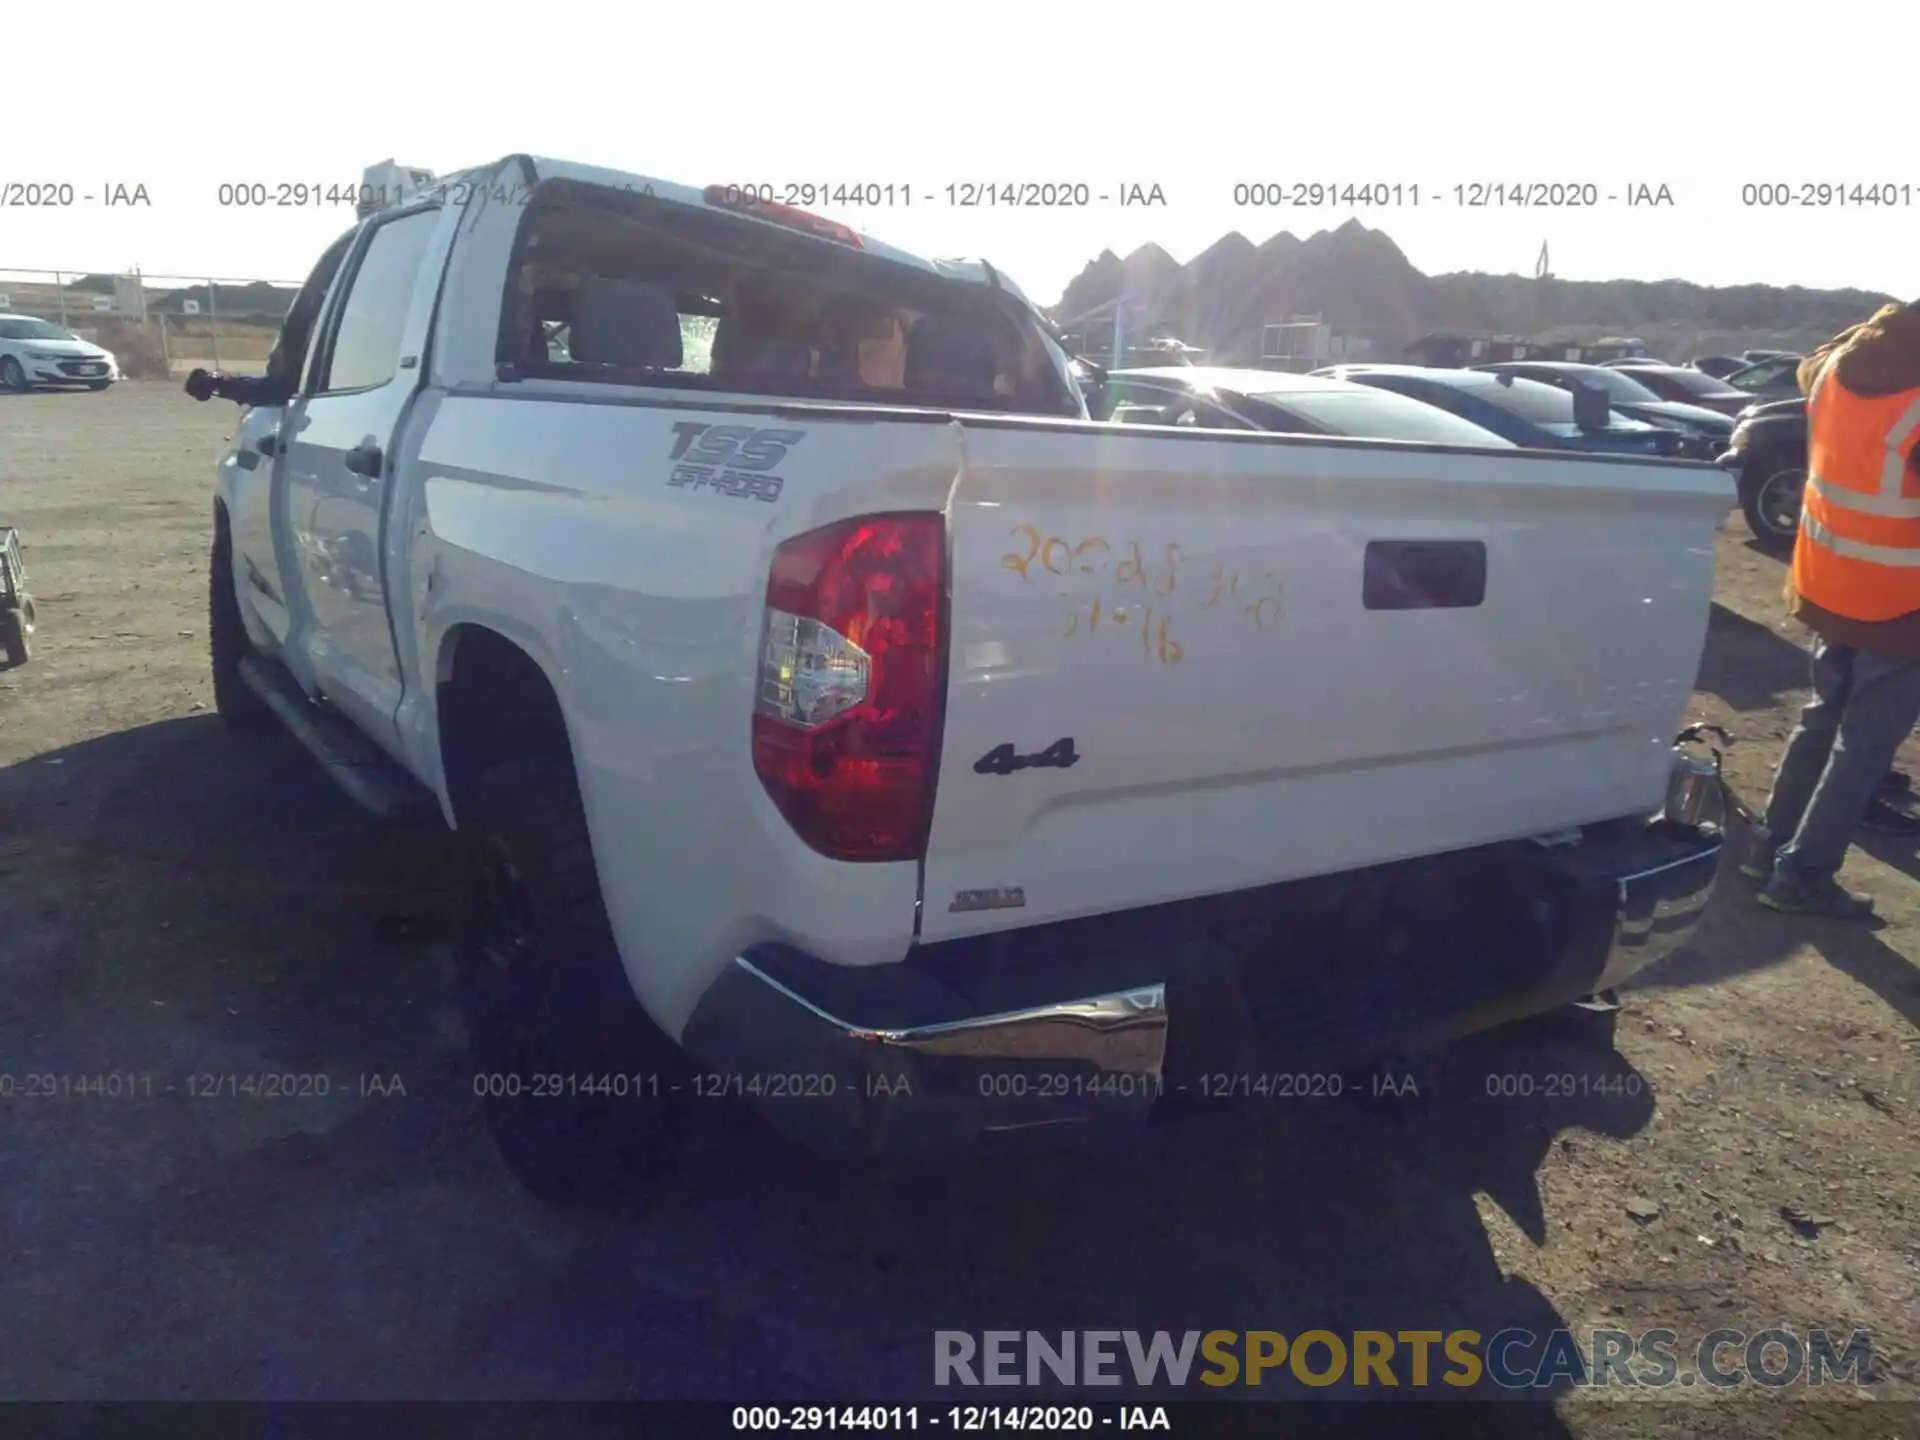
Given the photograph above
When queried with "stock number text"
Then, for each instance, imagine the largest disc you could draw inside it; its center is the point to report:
(1315, 194)
(1814, 195)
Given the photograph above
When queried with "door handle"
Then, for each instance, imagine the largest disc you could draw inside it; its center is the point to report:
(268, 444)
(365, 460)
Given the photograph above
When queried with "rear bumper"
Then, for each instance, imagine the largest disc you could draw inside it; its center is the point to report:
(900, 1058)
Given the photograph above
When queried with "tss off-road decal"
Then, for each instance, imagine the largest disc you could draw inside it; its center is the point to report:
(730, 459)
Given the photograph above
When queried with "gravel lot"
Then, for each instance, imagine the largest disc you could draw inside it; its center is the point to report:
(177, 904)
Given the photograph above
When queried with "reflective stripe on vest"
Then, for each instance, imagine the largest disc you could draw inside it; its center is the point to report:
(1896, 505)
(1897, 555)
(1858, 553)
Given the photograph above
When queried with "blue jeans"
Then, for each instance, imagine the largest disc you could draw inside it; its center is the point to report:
(1863, 706)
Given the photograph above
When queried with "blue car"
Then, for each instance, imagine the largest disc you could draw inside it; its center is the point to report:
(1526, 412)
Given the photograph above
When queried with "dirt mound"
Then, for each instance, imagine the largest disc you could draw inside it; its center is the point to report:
(1362, 285)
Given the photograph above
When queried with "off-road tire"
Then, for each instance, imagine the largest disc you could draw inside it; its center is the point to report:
(239, 708)
(16, 634)
(548, 1007)
(1755, 495)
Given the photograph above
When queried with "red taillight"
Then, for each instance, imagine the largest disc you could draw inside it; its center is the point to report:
(847, 710)
(733, 197)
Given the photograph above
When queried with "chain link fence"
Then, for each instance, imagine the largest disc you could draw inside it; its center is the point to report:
(158, 326)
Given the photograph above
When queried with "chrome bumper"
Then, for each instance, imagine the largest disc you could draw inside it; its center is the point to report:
(888, 1059)
(1092, 1063)
(1658, 911)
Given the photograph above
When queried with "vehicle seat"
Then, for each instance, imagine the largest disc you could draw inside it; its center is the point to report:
(634, 324)
(739, 353)
(944, 353)
(786, 360)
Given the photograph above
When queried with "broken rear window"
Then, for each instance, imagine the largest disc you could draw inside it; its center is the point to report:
(629, 289)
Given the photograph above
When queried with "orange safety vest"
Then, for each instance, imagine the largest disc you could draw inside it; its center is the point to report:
(1858, 550)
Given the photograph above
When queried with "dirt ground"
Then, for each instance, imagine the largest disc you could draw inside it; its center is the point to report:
(176, 905)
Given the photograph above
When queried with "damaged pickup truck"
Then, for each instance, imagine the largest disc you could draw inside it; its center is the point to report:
(834, 718)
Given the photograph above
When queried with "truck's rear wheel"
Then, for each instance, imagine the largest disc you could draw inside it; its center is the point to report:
(581, 1089)
(241, 709)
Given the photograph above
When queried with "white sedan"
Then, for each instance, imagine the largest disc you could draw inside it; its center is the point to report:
(39, 352)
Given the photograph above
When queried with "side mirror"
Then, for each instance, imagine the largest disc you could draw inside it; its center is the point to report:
(1591, 408)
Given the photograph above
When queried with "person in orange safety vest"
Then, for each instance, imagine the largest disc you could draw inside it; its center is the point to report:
(1855, 583)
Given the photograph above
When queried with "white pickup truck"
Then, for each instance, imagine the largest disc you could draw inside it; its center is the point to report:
(834, 718)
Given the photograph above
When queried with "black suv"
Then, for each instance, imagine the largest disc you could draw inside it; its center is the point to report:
(1767, 455)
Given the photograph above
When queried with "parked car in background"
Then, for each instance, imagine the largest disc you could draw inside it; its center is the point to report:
(1691, 387)
(38, 352)
(1718, 366)
(1776, 378)
(1526, 412)
(1704, 431)
(1754, 357)
(1219, 398)
(1767, 458)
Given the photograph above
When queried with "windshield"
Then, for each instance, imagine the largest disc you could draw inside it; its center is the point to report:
(1382, 415)
(1695, 382)
(1619, 386)
(1758, 377)
(33, 330)
(1530, 401)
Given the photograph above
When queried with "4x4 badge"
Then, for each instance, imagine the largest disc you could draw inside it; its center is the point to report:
(1001, 760)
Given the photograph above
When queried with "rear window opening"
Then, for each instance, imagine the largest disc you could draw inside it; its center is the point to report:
(629, 289)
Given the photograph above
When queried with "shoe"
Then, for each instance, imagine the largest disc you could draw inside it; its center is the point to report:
(1822, 897)
(1889, 820)
(1757, 863)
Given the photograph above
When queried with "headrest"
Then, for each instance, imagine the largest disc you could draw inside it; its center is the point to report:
(630, 323)
(945, 353)
(552, 302)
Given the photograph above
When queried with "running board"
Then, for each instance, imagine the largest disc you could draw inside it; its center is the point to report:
(357, 765)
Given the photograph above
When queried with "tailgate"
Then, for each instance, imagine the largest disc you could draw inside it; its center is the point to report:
(1189, 663)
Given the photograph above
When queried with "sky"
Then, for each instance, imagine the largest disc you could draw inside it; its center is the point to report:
(1701, 100)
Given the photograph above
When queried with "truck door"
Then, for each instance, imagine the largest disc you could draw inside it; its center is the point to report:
(336, 463)
(262, 569)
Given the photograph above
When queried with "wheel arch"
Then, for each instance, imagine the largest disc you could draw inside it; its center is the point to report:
(494, 700)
